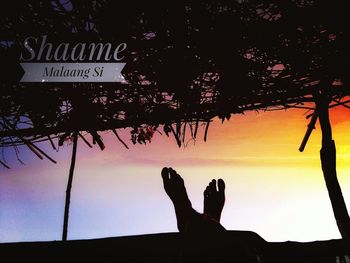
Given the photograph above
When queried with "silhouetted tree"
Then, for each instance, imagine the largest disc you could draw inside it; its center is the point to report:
(186, 63)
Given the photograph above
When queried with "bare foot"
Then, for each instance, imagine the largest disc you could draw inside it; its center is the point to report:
(214, 199)
(175, 188)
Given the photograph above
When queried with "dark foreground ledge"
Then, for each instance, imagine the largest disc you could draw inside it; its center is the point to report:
(236, 246)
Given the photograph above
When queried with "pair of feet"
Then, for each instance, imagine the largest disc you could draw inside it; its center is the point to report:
(214, 194)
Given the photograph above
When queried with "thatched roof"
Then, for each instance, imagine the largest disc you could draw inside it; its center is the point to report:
(186, 63)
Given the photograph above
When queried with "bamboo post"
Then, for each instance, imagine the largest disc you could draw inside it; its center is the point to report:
(69, 187)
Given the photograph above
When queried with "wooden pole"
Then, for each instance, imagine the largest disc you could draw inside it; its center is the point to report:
(69, 187)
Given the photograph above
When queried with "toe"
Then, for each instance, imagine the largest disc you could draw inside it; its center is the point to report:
(221, 185)
(165, 174)
(206, 192)
(212, 186)
(174, 175)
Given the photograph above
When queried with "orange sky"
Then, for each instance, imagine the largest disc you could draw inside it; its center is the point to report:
(255, 138)
(272, 188)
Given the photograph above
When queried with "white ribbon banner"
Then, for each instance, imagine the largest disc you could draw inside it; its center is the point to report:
(72, 72)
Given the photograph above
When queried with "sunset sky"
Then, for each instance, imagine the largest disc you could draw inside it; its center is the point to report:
(271, 188)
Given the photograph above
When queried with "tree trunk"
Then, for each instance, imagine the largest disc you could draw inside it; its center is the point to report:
(69, 187)
(328, 161)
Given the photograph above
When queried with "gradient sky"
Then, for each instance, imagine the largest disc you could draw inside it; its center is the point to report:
(271, 188)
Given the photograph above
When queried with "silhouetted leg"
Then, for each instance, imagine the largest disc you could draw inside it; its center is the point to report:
(189, 221)
(205, 239)
(214, 199)
(175, 188)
